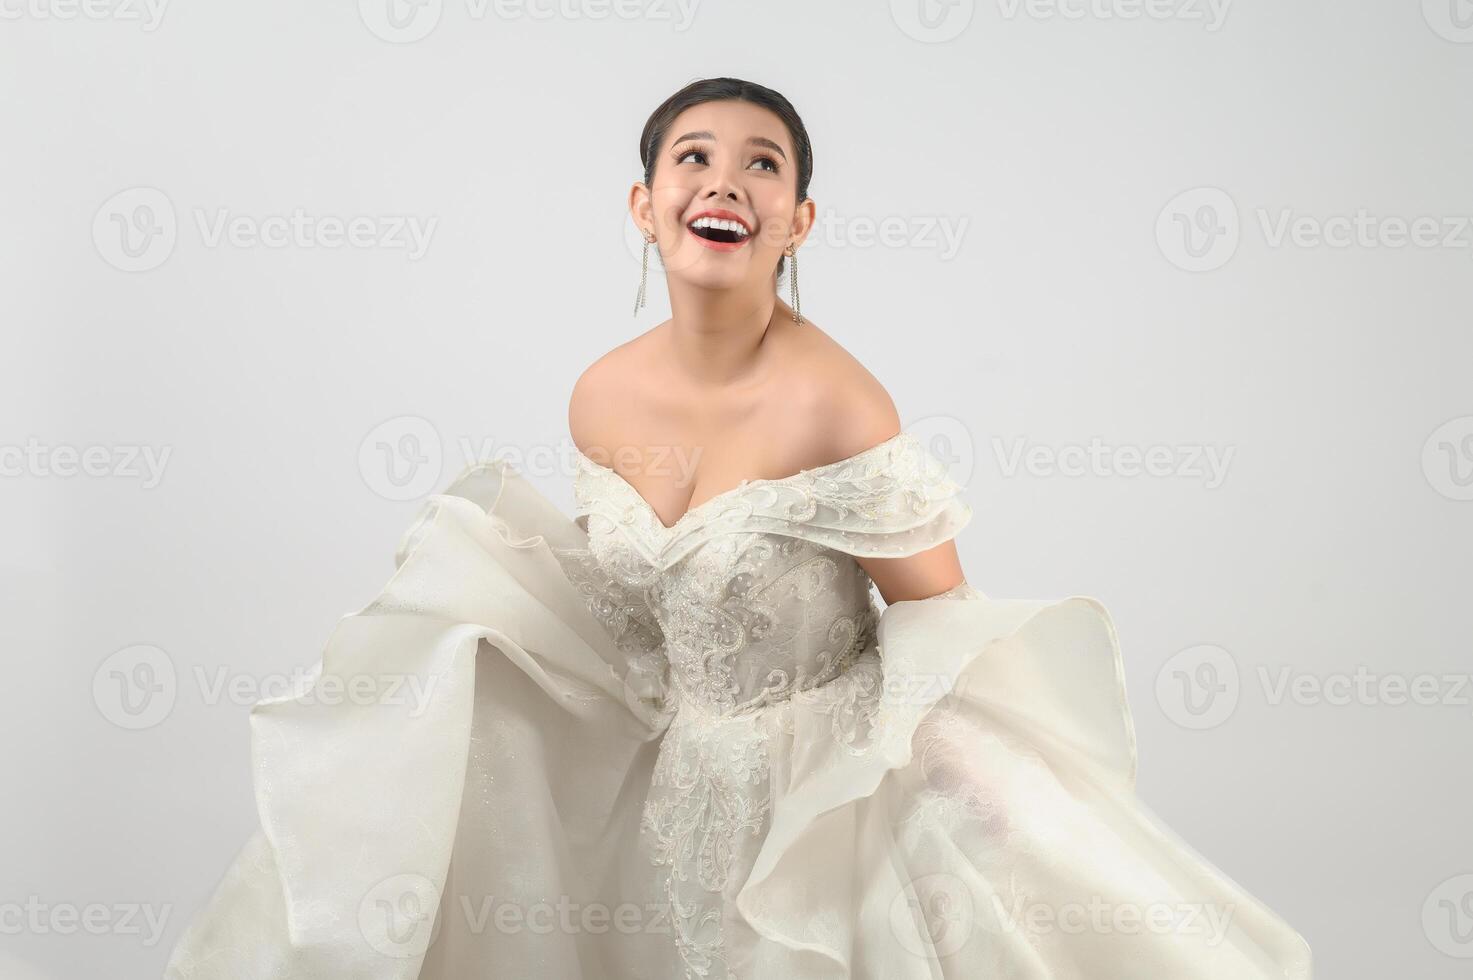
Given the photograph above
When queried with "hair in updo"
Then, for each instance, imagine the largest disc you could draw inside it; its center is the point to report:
(717, 89)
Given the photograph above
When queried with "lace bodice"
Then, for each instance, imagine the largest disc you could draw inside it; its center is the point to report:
(755, 593)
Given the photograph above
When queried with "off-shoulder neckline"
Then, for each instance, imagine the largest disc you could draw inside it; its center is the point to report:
(745, 484)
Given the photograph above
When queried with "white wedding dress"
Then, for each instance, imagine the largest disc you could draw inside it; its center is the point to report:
(603, 748)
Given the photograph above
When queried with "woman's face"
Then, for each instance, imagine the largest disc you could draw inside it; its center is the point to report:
(737, 159)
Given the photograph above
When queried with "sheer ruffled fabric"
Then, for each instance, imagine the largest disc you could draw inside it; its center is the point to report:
(494, 727)
(890, 500)
(962, 806)
(702, 751)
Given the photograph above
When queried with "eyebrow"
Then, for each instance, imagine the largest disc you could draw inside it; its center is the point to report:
(703, 134)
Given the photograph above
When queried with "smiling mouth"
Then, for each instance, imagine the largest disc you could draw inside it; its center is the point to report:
(719, 231)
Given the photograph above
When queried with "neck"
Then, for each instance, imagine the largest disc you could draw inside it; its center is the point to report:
(716, 336)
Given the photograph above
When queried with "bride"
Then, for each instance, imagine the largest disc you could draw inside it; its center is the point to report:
(675, 735)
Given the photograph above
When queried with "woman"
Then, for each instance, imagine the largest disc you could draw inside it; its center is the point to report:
(675, 736)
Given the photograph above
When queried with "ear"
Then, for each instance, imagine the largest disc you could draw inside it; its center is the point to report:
(804, 216)
(641, 208)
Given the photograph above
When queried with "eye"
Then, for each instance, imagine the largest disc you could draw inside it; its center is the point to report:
(772, 165)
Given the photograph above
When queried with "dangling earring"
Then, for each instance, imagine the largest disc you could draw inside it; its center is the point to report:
(644, 269)
(792, 255)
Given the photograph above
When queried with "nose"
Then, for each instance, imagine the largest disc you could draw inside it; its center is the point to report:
(723, 185)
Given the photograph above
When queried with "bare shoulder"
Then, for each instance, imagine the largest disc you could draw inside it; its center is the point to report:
(850, 409)
(823, 404)
(602, 398)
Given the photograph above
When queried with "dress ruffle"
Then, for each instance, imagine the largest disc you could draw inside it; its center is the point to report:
(360, 798)
(978, 817)
(891, 500)
(972, 769)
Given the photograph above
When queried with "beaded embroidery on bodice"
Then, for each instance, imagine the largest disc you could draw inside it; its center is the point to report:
(755, 594)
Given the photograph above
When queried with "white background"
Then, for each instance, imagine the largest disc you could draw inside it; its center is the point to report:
(1063, 146)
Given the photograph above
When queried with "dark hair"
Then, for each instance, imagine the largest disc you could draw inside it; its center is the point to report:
(715, 90)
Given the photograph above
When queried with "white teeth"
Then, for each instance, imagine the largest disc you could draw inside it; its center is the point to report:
(721, 225)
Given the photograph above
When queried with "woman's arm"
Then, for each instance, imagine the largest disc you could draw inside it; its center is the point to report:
(918, 576)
